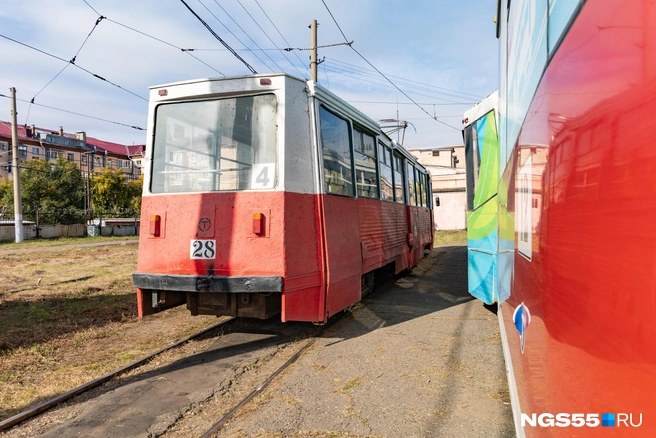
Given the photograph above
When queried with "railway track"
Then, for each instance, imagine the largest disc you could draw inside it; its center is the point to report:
(272, 333)
(48, 404)
(216, 427)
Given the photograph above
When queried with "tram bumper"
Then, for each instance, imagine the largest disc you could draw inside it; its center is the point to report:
(251, 297)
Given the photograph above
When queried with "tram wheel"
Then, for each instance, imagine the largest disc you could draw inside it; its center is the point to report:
(367, 284)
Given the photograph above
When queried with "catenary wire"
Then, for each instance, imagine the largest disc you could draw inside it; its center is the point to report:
(407, 80)
(207, 26)
(72, 61)
(409, 103)
(402, 82)
(281, 36)
(384, 84)
(372, 66)
(155, 38)
(77, 114)
(378, 81)
(236, 37)
(81, 68)
(266, 34)
(165, 42)
(246, 33)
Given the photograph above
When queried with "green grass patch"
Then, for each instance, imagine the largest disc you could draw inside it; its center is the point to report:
(59, 241)
(450, 237)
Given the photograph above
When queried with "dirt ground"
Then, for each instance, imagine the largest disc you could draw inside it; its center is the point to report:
(419, 357)
(68, 316)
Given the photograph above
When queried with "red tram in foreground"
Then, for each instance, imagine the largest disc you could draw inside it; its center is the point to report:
(268, 194)
(574, 265)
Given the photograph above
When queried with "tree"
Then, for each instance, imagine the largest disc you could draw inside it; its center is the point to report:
(6, 193)
(136, 188)
(55, 190)
(114, 195)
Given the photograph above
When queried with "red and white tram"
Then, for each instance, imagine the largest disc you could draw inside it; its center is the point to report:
(268, 194)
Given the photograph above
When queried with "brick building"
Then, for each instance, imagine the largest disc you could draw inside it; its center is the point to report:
(91, 155)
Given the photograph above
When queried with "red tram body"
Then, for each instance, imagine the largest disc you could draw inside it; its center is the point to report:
(268, 194)
(576, 277)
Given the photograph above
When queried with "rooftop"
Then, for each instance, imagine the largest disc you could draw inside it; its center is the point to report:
(25, 133)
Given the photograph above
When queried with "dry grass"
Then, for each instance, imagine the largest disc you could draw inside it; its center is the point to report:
(59, 241)
(450, 237)
(69, 316)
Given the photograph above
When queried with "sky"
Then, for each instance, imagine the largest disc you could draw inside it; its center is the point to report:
(442, 54)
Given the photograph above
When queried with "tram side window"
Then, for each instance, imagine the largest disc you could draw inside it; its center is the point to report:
(386, 185)
(411, 185)
(399, 183)
(336, 142)
(422, 185)
(366, 174)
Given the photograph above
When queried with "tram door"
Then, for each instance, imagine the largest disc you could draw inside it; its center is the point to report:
(343, 254)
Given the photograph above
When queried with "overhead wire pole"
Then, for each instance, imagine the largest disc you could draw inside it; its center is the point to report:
(18, 208)
(313, 53)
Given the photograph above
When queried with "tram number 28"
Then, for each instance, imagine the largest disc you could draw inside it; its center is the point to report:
(202, 249)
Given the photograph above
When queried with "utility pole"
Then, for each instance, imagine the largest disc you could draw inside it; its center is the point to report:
(313, 53)
(18, 208)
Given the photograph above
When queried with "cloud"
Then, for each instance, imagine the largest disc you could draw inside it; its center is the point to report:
(439, 44)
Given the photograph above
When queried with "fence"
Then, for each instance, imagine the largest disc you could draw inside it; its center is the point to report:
(69, 222)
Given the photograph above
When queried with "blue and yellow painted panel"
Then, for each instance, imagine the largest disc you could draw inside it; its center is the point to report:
(483, 220)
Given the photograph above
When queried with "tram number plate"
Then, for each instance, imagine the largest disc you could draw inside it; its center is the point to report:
(202, 249)
(263, 176)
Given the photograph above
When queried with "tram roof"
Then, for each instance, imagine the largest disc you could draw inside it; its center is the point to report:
(483, 107)
(323, 94)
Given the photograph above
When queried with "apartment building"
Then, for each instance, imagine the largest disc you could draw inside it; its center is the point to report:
(447, 168)
(91, 155)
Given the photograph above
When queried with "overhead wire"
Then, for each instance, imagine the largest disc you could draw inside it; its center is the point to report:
(165, 42)
(408, 103)
(379, 72)
(402, 82)
(408, 80)
(72, 61)
(236, 37)
(78, 114)
(384, 84)
(207, 26)
(154, 38)
(246, 33)
(81, 68)
(85, 1)
(326, 74)
(378, 81)
(266, 34)
(281, 36)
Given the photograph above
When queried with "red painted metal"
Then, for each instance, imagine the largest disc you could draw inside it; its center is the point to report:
(321, 253)
(591, 283)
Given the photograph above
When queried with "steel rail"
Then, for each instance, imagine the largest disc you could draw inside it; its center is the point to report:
(29, 413)
(219, 424)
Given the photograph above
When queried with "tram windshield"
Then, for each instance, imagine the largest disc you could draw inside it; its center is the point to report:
(215, 145)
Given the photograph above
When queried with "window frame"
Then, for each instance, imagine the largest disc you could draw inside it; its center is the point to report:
(320, 142)
(276, 152)
(357, 129)
(403, 172)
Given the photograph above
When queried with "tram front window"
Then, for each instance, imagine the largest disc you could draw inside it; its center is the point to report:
(215, 145)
